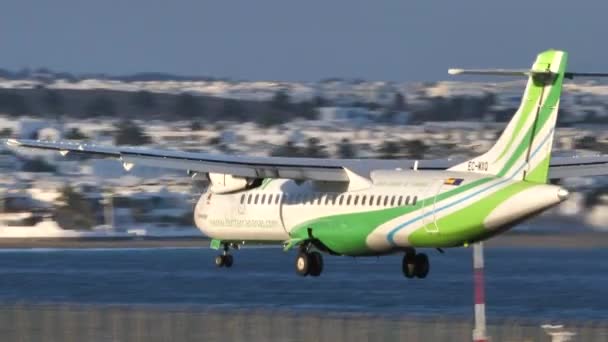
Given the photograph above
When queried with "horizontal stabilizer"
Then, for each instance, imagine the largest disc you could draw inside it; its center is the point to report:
(521, 72)
(571, 75)
(498, 72)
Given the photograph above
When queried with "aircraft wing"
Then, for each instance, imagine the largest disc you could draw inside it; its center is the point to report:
(240, 166)
(319, 169)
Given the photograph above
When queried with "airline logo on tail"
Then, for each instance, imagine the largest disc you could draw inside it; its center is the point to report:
(453, 181)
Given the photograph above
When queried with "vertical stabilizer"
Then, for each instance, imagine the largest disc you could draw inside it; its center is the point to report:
(523, 151)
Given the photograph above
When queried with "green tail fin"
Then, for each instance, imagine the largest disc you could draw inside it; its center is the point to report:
(523, 151)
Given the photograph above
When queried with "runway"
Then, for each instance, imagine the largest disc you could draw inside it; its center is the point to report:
(523, 283)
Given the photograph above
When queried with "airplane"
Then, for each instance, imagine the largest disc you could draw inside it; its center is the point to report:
(374, 207)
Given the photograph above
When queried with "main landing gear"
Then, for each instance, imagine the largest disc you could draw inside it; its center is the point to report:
(415, 264)
(309, 263)
(225, 259)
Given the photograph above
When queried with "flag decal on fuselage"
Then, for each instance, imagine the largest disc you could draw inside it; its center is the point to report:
(453, 181)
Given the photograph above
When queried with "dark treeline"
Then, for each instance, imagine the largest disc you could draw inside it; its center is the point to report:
(281, 108)
(58, 103)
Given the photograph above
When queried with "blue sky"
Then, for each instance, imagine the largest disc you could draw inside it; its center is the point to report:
(298, 40)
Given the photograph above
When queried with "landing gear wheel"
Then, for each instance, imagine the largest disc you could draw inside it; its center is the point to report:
(316, 264)
(408, 265)
(303, 264)
(228, 260)
(422, 266)
(219, 261)
(225, 259)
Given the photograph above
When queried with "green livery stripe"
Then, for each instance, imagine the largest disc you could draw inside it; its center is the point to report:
(467, 223)
(347, 233)
(521, 148)
(541, 171)
(529, 102)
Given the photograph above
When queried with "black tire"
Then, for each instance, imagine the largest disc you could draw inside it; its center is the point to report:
(219, 261)
(422, 265)
(316, 264)
(303, 264)
(408, 266)
(228, 260)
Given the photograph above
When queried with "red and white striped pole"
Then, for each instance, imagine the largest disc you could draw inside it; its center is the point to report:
(479, 333)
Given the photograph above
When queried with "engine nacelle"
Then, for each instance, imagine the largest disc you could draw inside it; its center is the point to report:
(222, 183)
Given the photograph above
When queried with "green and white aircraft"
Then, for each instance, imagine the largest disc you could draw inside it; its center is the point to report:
(361, 207)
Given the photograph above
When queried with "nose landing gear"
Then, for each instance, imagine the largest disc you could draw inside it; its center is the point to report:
(225, 259)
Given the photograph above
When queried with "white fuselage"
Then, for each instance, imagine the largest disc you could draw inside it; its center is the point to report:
(272, 211)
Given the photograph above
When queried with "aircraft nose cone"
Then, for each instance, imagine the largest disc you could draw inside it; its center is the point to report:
(563, 194)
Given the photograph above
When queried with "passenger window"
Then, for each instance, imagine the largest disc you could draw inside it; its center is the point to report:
(257, 197)
(270, 198)
(242, 199)
(379, 201)
(407, 200)
(415, 200)
(385, 201)
(371, 200)
(393, 201)
(326, 199)
(277, 200)
(348, 200)
(356, 200)
(340, 200)
(363, 200)
(263, 200)
(249, 198)
(400, 201)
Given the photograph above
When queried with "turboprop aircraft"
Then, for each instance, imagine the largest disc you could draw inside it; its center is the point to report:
(360, 207)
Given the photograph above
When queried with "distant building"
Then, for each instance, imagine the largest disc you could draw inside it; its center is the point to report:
(39, 129)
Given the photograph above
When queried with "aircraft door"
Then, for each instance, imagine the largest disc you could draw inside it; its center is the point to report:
(429, 207)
